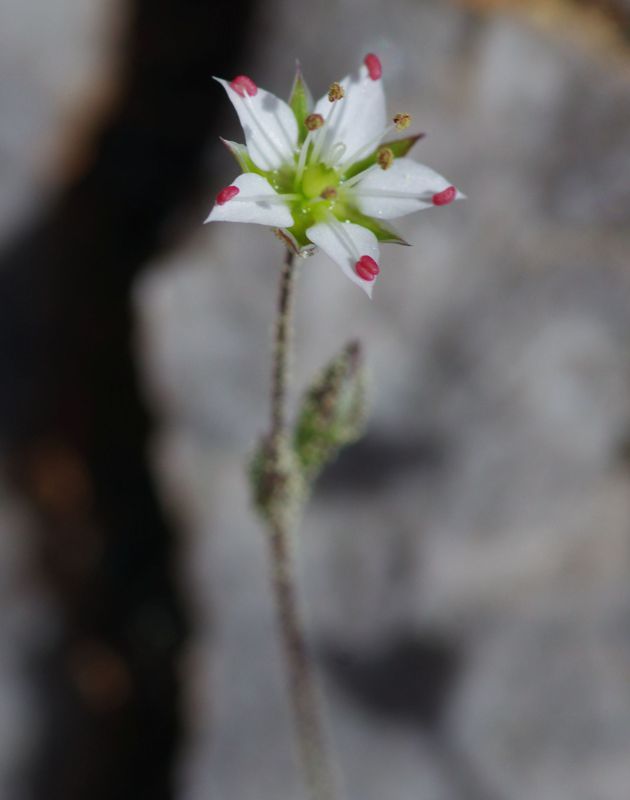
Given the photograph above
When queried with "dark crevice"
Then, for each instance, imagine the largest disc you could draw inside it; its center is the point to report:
(73, 425)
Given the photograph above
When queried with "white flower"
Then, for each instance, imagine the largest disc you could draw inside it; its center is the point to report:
(321, 175)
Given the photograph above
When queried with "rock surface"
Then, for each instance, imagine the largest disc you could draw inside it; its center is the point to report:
(490, 504)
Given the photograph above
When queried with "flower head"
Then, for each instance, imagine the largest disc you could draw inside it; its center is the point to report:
(325, 174)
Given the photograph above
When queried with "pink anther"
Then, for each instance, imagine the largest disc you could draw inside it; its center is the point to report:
(445, 197)
(366, 268)
(243, 85)
(374, 66)
(227, 194)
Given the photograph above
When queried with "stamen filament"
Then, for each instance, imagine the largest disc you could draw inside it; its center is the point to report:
(326, 129)
(303, 156)
(335, 153)
(393, 195)
(321, 142)
(367, 148)
(265, 198)
(320, 139)
(357, 178)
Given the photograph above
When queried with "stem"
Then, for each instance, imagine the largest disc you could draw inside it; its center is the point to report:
(302, 686)
(282, 349)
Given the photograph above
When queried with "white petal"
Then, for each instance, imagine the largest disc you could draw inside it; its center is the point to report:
(360, 118)
(274, 212)
(345, 243)
(270, 127)
(373, 194)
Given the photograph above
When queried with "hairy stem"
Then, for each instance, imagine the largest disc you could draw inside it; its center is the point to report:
(302, 686)
(282, 348)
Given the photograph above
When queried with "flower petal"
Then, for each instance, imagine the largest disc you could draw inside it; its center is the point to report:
(360, 120)
(273, 212)
(270, 127)
(345, 243)
(404, 188)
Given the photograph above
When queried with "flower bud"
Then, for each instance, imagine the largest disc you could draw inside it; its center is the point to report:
(333, 411)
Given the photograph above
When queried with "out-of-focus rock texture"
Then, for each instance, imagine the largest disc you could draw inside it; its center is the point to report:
(465, 569)
(53, 61)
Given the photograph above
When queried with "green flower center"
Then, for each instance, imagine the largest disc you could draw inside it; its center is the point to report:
(321, 191)
(317, 178)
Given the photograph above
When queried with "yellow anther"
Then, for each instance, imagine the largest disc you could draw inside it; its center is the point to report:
(335, 92)
(385, 157)
(313, 122)
(402, 121)
(329, 193)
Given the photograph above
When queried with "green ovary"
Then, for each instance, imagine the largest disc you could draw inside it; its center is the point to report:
(311, 208)
(318, 178)
(307, 214)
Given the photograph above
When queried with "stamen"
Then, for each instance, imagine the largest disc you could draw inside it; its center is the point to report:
(243, 85)
(445, 197)
(374, 66)
(367, 148)
(385, 157)
(336, 92)
(321, 137)
(313, 122)
(356, 178)
(329, 193)
(402, 121)
(424, 197)
(366, 268)
(229, 193)
(267, 198)
(299, 170)
(324, 141)
(334, 154)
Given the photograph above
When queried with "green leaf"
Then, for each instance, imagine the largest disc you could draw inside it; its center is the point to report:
(399, 147)
(332, 413)
(301, 102)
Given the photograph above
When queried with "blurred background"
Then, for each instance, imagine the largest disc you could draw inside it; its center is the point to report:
(465, 569)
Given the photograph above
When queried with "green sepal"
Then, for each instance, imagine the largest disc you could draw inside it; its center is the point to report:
(240, 153)
(299, 246)
(298, 233)
(399, 147)
(301, 102)
(305, 215)
(303, 219)
(386, 234)
(332, 414)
